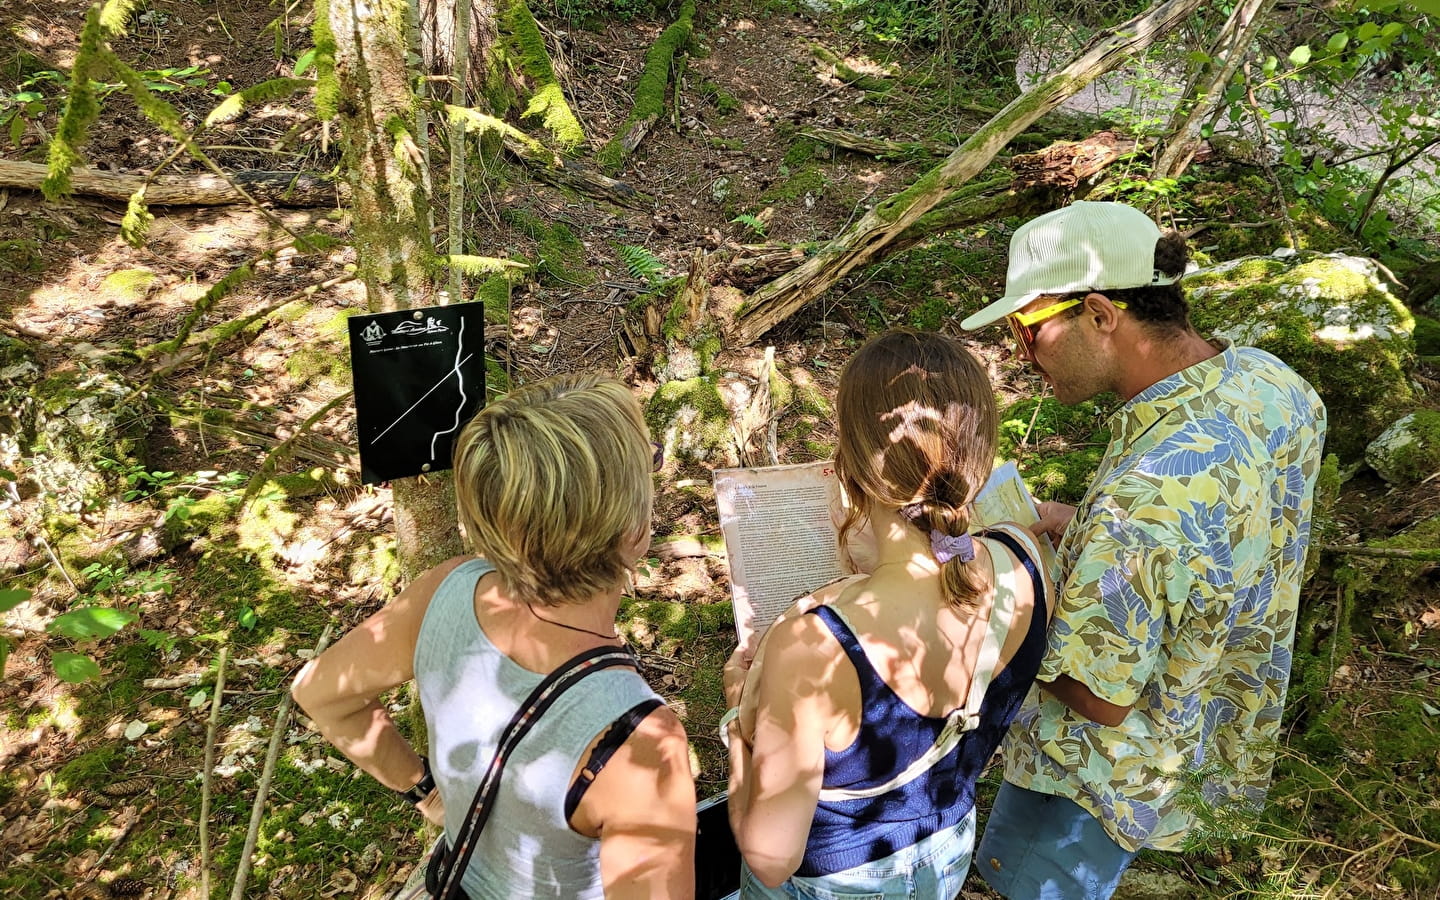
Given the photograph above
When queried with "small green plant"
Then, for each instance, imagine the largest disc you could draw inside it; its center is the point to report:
(28, 103)
(9, 599)
(641, 263)
(754, 223)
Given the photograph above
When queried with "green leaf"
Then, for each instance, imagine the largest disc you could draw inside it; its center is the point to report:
(27, 96)
(247, 618)
(306, 60)
(74, 667)
(1270, 65)
(1366, 31)
(1391, 29)
(198, 699)
(91, 622)
(1427, 6)
(4, 654)
(1338, 41)
(1199, 57)
(12, 597)
(17, 131)
(1300, 55)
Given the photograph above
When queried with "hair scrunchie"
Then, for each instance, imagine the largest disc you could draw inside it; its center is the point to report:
(950, 546)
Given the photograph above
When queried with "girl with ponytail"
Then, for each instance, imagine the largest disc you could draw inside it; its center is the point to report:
(870, 709)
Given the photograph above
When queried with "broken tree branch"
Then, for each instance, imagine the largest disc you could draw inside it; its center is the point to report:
(257, 812)
(649, 91)
(208, 773)
(285, 189)
(867, 238)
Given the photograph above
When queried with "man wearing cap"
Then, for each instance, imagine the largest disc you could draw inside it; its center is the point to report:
(1169, 653)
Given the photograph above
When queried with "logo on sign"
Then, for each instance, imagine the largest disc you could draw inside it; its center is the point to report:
(373, 333)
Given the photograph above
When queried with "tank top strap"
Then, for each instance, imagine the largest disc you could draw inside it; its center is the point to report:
(871, 684)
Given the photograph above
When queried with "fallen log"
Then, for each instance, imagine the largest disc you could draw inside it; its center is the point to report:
(650, 91)
(1061, 173)
(864, 241)
(292, 190)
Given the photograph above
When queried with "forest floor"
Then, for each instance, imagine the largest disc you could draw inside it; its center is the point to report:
(100, 782)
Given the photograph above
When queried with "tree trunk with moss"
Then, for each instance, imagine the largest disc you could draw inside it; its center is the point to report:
(867, 239)
(511, 70)
(391, 215)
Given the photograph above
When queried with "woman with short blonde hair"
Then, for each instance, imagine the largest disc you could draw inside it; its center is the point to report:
(554, 491)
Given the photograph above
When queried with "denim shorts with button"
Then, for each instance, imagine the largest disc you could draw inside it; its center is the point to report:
(1039, 847)
(932, 868)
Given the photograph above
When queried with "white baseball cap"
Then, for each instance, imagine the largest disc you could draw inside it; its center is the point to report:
(1080, 247)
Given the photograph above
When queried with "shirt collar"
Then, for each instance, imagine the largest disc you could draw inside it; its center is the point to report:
(1161, 398)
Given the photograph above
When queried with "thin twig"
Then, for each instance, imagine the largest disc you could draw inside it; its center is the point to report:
(1429, 554)
(208, 773)
(125, 830)
(257, 812)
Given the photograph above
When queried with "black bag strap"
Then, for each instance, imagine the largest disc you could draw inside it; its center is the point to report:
(616, 735)
(540, 699)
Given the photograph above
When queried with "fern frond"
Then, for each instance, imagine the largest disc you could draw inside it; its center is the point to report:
(135, 226)
(755, 224)
(641, 263)
(264, 92)
(480, 265)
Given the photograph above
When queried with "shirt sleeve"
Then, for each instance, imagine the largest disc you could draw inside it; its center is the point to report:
(1111, 616)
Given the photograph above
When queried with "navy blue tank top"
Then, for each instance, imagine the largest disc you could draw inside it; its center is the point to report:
(892, 735)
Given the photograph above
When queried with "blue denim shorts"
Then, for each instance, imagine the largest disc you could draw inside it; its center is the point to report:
(932, 868)
(1039, 847)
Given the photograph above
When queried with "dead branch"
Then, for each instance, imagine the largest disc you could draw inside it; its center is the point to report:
(257, 812)
(867, 238)
(1420, 555)
(1229, 50)
(207, 774)
(285, 189)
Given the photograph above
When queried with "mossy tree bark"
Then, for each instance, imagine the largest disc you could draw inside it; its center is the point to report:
(1204, 94)
(391, 223)
(649, 91)
(868, 238)
(510, 64)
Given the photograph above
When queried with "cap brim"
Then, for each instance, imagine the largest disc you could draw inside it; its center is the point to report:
(998, 310)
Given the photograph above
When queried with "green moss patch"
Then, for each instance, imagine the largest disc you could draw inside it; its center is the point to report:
(1331, 319)
(690, 418)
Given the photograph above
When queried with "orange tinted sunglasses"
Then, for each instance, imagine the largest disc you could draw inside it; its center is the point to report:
(1023, 326)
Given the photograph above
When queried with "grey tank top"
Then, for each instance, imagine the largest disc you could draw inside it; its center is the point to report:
(469, 690)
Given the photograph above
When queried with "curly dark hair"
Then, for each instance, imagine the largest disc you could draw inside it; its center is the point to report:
(1161, 306)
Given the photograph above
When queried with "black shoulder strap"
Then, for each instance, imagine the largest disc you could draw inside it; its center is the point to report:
(618, 733)
(540, 699)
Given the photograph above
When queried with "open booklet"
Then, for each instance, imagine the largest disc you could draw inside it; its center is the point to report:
(781, 535)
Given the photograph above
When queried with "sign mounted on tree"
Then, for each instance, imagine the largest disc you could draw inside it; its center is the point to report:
(419, 376)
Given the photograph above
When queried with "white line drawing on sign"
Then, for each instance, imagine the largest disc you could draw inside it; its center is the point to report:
(430, 327)
(459, 348)
(407, 412)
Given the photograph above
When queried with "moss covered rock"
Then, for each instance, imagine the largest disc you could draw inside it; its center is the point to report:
(1409, 450)
(89, 431)
(1332, 318)
(18, 373)
(690, 418)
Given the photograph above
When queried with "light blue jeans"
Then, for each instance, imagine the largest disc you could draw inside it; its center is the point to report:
(1039, 847)
(933, 868)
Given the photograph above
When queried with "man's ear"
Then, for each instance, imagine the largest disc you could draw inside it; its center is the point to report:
(1101, 312)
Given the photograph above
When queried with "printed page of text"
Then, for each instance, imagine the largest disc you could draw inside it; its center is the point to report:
(779, 537)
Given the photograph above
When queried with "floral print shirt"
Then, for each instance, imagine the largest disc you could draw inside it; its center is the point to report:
(1181, 579)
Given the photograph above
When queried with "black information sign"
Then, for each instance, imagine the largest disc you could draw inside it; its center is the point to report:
(419, 377)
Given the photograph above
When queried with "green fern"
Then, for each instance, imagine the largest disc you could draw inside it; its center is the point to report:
(754, 224)
(641, 263)
(264, 92)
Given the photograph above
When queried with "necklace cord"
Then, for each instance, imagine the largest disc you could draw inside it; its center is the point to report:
(609, 637)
